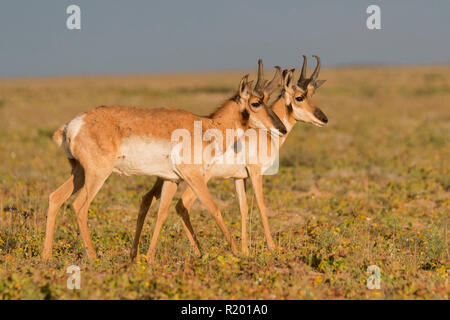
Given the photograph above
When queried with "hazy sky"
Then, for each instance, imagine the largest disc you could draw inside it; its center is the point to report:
(137, 36)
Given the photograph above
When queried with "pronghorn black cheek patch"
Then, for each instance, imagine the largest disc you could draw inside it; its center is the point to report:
(245, 115)
(290, 107)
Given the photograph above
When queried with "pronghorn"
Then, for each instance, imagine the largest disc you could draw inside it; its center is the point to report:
(135, 141)
(294, 104)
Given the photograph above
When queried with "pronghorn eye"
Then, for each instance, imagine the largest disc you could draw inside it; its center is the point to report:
(300, 99)
(256, 104)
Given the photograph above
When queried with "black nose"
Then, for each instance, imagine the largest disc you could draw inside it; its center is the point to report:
(283, 130)
(320, 115)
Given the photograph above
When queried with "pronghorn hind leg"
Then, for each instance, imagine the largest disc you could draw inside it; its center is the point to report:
(183, 206)
(147, 202)
(243, 207)
(168, 191)
(256, 177)
(94, 179)
(198, 184)
(56, 199)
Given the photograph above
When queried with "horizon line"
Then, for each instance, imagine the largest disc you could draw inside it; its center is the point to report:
(206, 71)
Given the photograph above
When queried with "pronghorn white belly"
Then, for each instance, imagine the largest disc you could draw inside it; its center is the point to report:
(145, 156)
(229, 171)
(234, 165)
(240, 170)
(228, 165)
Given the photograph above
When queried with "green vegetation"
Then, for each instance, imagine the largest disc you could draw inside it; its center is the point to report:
(372, 188)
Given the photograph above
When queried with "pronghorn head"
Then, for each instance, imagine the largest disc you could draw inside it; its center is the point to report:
(299, 97)
(259, 115)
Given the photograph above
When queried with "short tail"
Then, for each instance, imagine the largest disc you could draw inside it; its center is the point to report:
(58, 135)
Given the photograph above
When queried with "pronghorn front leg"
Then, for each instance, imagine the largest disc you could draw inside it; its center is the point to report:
(242, 197)
(147, 202)
(183, 207)
(197, 182)
(256, 177)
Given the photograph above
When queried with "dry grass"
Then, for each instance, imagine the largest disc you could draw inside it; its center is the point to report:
(370, 188)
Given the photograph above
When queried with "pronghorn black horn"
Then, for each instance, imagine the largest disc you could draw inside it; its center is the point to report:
(275, 82)
(317, 70)
(260, 82)
(302, 78)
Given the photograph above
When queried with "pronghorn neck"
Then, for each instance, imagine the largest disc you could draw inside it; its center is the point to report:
(229, 116)
(283, 109)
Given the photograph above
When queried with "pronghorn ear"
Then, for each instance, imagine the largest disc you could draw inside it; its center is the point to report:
(318, 83)
(249, 89)
(287, 80)
(243, 87)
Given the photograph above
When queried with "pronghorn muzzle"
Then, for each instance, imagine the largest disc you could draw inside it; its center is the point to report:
(320, 115)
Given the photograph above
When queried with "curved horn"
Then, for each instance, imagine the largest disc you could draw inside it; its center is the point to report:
(275, 82)
(260, 82)
(303, 72)
(317, 70)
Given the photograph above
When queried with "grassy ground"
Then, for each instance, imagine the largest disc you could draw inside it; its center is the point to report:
(372, 188)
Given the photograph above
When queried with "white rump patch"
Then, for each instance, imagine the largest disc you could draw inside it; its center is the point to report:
(71, 130)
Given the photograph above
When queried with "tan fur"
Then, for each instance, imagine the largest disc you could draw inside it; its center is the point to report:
(93, 143)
